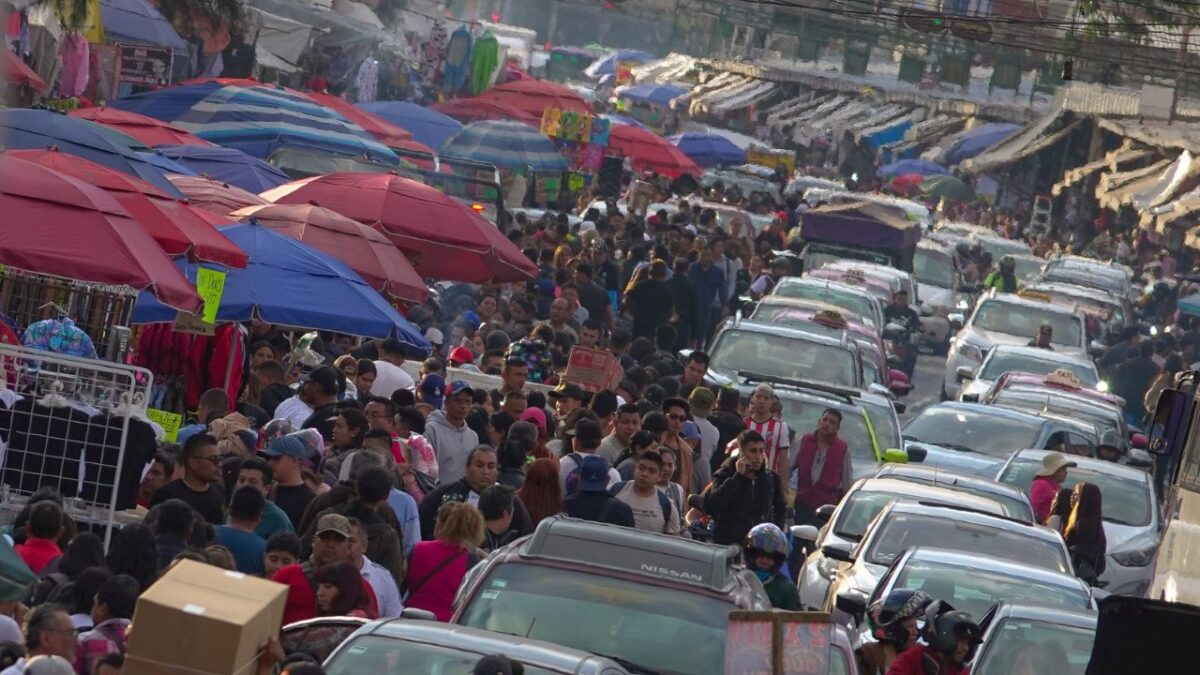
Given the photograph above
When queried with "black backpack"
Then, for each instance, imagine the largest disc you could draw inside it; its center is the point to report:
(663, 500)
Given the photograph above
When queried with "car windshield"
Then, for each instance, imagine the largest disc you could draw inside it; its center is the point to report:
(782, 356)
(1125, 501)
(1005, 361)
(1023, 321)
(975, 591)
(604, 615)
(972, 431)
(378, 654)
(856, 303)
(902, 531)
(1027, 646)
(801, 416)
(933, 267)
(859, 510)
(883, 421)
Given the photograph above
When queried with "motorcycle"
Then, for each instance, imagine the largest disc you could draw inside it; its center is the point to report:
(900, 344)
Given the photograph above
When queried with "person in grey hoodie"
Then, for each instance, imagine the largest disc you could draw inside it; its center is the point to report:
(448, 433)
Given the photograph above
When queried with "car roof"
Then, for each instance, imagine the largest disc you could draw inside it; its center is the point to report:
(807, 314)
(941, 476)
(968, 515)
(1074, 397)
(1089, 463)
(1075, 291)
(809, 304)
(479, 641)
(936, 245)
(817, 282)
(984, 409)
(784, 331)
(986, 563)
(1078, 262)
(1066, 617)
(1044, 354)
(919, 492)
(1012, 299)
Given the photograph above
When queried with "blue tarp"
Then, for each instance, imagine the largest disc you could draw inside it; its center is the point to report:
(139, 21)
(977, 140)
(921, 167)
(655, 94)
(427, 126)
(709, 150)
(227, 165)
(889, 134)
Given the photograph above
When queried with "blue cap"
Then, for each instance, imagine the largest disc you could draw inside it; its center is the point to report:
(690, 431)
(471, 316)
(433, 390)
(593, 474)
(286, 446)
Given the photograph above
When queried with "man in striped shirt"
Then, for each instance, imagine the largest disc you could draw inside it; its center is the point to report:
(775, 432)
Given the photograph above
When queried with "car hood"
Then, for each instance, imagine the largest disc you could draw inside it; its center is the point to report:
(1116, 534)
(958, 460)
(986, 339)
(864, 577)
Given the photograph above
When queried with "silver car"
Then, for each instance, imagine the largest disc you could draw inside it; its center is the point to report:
(1005, 358)
(854, 299)
(1014, 500)
(1039, 639)
(850, 518)
(903, 525)
(1132, 522)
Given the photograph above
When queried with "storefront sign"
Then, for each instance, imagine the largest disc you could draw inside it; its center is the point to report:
(145, 65)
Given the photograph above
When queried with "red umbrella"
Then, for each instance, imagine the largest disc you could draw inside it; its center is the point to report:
(212, 194)
(454, 242)
(389, 134)
(173, 224)
(468, 110)
(363, 249)
(532, 97)
(148, 130)
(649, 151)
(907, 183)
(58, 225)
(16, 72)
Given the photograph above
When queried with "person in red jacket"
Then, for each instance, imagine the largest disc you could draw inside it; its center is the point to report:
(43, 529)
(331, 544)
(822, 468)
(951, 638)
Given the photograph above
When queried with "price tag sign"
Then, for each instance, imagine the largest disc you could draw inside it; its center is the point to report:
(210, 284)
(169, 421)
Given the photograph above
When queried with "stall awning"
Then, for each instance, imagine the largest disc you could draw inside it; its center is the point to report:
(1029, 141)
(1118, 189)
(1180, 135)
(743, 99)
(1160, 217)
(1111, 161)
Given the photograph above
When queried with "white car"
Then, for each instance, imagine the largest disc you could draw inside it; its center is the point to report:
(1019, 358)
(938, 290)
(1005, 318)
(1132, 522)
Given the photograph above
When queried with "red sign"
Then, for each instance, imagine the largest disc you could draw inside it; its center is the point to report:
(593, 369)
(780, 643)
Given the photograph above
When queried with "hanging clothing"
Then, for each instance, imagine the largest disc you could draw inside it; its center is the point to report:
(458, 60)
(485, 58)
(93, 25)
(74, 53)
(44, 446)
(103, 450)
(59, 336)
(433, 51)
(367, 80)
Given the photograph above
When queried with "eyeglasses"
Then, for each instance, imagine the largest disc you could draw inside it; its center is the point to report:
(678, 418)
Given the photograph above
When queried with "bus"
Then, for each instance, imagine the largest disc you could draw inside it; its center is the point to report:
(1175, 442)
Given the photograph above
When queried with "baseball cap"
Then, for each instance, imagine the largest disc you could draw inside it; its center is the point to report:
(593, 474)
(459, 386)
(587, 431)
(333, 522)
(460, 355)
(285, 446)
(701, 400)
(434, 336)
(567, 390)
(535, 416)
(433, 390)
(326, 378)
(690, 431)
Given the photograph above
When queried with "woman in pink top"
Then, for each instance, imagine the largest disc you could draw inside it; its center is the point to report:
(436, 568)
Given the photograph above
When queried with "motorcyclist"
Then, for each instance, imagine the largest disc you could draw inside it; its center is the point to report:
(893, 624)
(984, 263)
(900, 312)
(951, 637)
(966, 263)
(766, 550)
(1005, 278)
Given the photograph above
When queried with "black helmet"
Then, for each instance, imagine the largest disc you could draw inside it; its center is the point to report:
(985, 257)
(963, 249)
(944, 626)
(1008, 262)
(886, 617)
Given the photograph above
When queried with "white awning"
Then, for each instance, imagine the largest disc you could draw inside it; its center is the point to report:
(1111, 161)
(744, 99)
(1117, 189)
(1029, 141)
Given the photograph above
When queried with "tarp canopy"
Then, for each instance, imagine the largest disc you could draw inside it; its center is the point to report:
(653, 94)
(1145, 188)
(335, 29)
(1111, 161)
(277, 38)
(1032, 139)
(865, 224)
(138, 21)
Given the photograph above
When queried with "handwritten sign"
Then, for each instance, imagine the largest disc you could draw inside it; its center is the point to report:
(786, 643)
(169, 421)
(193, 324)
(210, 284)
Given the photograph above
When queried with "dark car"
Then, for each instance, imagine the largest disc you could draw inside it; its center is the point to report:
(649, 601)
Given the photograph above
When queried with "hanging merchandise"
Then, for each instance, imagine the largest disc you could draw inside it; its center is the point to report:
(93, 25)
(600, 128)
(458, 60)
(61, 336)
(367, 80)
(73, 52)
(432, 53)
(485, 59)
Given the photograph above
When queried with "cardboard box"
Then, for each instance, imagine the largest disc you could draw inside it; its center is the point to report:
(199, 618)
(593, 369)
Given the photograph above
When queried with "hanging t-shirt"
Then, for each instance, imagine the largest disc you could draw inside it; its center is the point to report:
(103, 451)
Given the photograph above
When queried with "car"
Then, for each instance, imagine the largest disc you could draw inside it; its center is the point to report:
(743, 346)
(896, 280)
(438, 648)
(999, 246)
(1066, 383)
(1132, 521)
(976, 381)
(1042, 639)
(1112, 277)
(613, 591)
(912, 211)
(1004, 318)
(848, 520)
(800, 185)
(939, 290)
(1014, 500)
(1109, 311)
(880, 289)
(853, 299)
(1106, 416)
(902, 525)
(870, 426)
(976, 439)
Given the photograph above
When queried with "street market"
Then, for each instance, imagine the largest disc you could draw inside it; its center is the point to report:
(693, 337)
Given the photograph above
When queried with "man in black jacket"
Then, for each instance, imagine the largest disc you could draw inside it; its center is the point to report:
(728, 423)
(481, 474)
(592, 500)
(744, 492)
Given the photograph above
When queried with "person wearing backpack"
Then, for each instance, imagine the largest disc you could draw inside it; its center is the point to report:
(586, 438)
(592, 500)
(652, 508)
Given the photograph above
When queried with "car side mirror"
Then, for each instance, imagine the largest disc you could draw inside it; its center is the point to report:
(412, 613)
(838, 552)
(825, 512)
(956, 319)
(1140, 458)
(1096, 348)
(917, 454)
(895, 456)
(899, 406)
(964, 373)
(853, 603)
(803, 536)
(895, 332)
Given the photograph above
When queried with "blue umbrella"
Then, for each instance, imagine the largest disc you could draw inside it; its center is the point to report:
(164, 164)
(708, 150)
(257, 120)
(228, 165)
(139, 21)
(608, 65)
(26, 129)
(977, 140)
(655, 94)
(922, 167)
(507, 145)
(426, 125)
(292, 284)
(627, 121)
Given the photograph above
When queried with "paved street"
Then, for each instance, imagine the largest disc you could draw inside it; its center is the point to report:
(928, 381)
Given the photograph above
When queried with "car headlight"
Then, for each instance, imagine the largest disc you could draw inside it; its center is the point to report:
(1137, 552)
(1102, 386)
(827, 568)
(970, 351)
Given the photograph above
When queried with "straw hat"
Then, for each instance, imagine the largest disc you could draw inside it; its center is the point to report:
(1052, 462)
